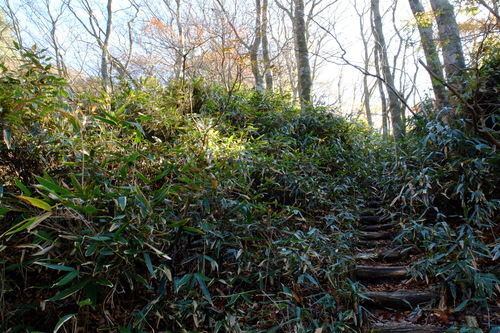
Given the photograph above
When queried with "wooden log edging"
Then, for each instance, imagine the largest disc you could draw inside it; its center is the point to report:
(373, 219)
(387, 255)
(375, 235)
(377, 227)
(408, 299)
(395, 328)
(378, 272)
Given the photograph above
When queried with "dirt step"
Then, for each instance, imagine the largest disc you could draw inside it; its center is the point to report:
(378, 272)
(375, 235)
(402, 328)
(407, 299)
(376, 227)
(373, 219)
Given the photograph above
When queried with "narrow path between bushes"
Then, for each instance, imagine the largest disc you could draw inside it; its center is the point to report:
(392, 300)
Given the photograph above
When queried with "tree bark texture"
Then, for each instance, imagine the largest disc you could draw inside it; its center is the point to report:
(302, 52)
(265, 47)
(254, 48)
(395, 108)
(449, 37)
(431, 53)
(105, 61)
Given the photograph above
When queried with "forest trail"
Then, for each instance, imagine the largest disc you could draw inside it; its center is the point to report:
(394, 300)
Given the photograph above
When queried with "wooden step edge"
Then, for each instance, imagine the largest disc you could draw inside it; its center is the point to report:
(376, 227)
(375, 235)
(366, 272)
(375, 204)
(406, 299)
(373, 219)
(403, 328)
(387, 255)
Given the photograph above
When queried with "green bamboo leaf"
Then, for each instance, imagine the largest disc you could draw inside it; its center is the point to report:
(4, 210)
(67, 278)
(57, 267)
(149, 264)
(62, 321)
(178, 224)
(191, 229)
(178, 283)
(201, 281)
(105, 120)
(70, 291)
(138, 126)
(29, 223)
(51, 186)
(35, 202)
(22, 187)
(104, 282)
(237, 208)
(85, 302)
(461, 305)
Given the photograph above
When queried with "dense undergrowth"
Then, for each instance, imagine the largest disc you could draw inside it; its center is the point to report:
(180, 208)
(191, 208)
(446, 186)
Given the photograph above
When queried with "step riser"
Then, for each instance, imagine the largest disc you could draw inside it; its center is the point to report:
(380, 272)
(399, 300)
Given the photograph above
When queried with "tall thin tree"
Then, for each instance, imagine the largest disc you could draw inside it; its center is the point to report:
(395, 108)
(424, 25)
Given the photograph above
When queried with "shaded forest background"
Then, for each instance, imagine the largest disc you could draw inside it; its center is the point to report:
(175, 166)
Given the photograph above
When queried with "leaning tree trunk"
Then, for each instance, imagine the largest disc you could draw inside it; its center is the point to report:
(398, 126)
(431, 53)
(302, 52)
(449, 37)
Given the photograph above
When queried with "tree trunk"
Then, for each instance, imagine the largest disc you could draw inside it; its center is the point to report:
(180, 57)
(449, 37)
(383, 101)
(366, 61)
(431, 53)
(105, 61)
(302, 52)
(398, 126)
(265, 48)
(254, 48)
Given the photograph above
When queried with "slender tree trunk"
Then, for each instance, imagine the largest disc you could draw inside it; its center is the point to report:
(265, 47)
(383, 100)
(254, 48)
(430, 51)
(303, 67)
(105, 61)
(449, 37)
(180, 57)
(366, 60)
(395, 108)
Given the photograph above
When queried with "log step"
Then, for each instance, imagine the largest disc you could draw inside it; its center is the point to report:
(398, 328)
(387, 255)
(375, 204)
(372, 219)
(407, 299)
(378, 272)
(377, 227)
(374, 235)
